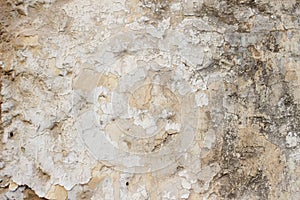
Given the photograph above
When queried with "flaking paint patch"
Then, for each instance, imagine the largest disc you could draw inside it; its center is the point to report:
(149, 99)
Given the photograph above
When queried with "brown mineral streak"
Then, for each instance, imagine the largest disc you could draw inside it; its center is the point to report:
(4, 40)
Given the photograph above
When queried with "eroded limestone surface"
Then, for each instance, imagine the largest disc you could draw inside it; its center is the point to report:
(150, 99)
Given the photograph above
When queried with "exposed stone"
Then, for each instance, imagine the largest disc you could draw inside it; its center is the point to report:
(149, 99)
(57, 192)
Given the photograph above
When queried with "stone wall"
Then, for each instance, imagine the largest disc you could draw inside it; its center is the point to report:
(150, 99)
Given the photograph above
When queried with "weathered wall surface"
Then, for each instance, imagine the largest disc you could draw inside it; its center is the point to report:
(150, 99)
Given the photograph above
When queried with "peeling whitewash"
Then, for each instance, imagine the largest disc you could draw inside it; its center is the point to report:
(150, 99)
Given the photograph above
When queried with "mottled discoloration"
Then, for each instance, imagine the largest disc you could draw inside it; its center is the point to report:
(150, 99)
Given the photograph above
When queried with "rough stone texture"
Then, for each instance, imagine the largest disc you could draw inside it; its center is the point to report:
(150, 99)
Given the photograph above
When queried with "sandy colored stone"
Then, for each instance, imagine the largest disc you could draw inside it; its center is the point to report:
(149, 99)
(57, 192)
(12, 186)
